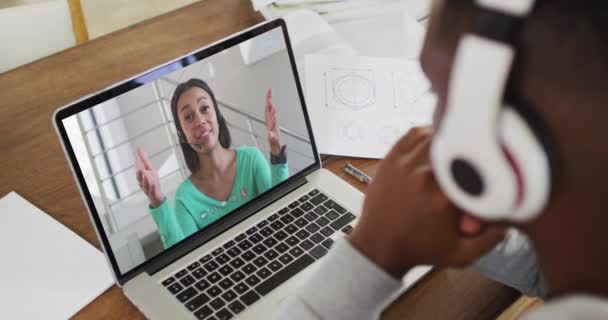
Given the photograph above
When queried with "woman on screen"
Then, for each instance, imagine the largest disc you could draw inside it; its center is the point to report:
(222, 178)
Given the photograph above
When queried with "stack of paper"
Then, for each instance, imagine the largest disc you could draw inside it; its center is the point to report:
(47, 271)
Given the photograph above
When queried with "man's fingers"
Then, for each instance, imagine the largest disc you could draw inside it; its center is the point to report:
(470, 226)
(408, 141)
(477, 246)
(420, 155)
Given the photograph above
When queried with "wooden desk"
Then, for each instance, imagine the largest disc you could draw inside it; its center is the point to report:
(33, 163)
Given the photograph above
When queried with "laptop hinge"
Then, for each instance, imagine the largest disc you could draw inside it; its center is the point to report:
(197, 240)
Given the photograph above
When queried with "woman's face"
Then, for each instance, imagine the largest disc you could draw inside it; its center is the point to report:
(198, 119)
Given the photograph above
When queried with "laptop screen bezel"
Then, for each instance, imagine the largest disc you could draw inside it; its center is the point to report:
(169, 255)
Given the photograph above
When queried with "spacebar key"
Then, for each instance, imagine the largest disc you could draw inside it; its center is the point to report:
(285, 274)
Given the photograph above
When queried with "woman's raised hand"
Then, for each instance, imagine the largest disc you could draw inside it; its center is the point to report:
(148, 179)
(272, 126)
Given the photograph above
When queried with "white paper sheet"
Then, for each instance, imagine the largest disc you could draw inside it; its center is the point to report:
(47, 271)
(360, 106)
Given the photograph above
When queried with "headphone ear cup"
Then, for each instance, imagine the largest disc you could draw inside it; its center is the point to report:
(529, 161)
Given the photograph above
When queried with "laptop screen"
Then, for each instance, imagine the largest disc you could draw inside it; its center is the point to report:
(170, 153)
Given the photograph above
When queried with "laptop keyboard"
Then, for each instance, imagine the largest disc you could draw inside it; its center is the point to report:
(235, 275)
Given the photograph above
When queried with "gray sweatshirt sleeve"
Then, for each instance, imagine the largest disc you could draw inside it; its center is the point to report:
(513, 262)
(345, 285)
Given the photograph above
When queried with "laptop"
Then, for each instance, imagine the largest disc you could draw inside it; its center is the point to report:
(244, 261)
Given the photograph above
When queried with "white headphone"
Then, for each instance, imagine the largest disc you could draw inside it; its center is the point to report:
(487, 155)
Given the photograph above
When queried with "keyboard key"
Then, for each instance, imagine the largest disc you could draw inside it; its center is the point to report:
(282, 247)
(255, 238)
(260, 261)
(330, 204)
(229, 296)
(292, 241)
(343, 221)
(199, 273)
(194, 266)
(297, 212)
(203, 312)
(217, 303)
(217, 251)
(186, 294)
(240, 237)
(304, 198)
(285, 274)
(222, 258)
(348, 229)
(294, 204)
(226, 284)
(212, 318)
(211, 265)
(237, 263)
(249, 269)
(284, 211)
(317, 238)
(241, 288)
(332, 215)
(270, 254)
(237, 276)
(229, 244)
(270, 242)
(202, 285)
(233, 252)
(259, 249)
(286, 258)
(311, 216)
(168, 281)
(328, 243)
(244, 245)
(181, 273)
(301, 223)
(263, 273)
(313, 227)
(320, 210)
(236, 307)
(277, 225)
(318, 199)
(307, 245)
(291, 229)
(206, 259)
(251, 230)
(214, 291)
(266, 232)
(187, 280)
(197, 302)
(226, 270)
(313, 193)
(250, 297)
(322, 221)
(286, 219)
(296, 252)
(302, 234)
(175, 288)
(248, 256)
(318, 252)
(214, 277)
(223, 315)
(275, 266)
(280, 235)
(306, 206)
(252, 280)
(262, 224)
(273, 217)
(327, 231)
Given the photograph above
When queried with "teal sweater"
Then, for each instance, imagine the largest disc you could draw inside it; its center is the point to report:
(193, 210)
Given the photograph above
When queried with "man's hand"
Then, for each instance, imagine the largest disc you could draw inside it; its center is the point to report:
(407, 220)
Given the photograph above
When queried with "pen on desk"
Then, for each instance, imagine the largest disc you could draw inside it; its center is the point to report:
(360, 175)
